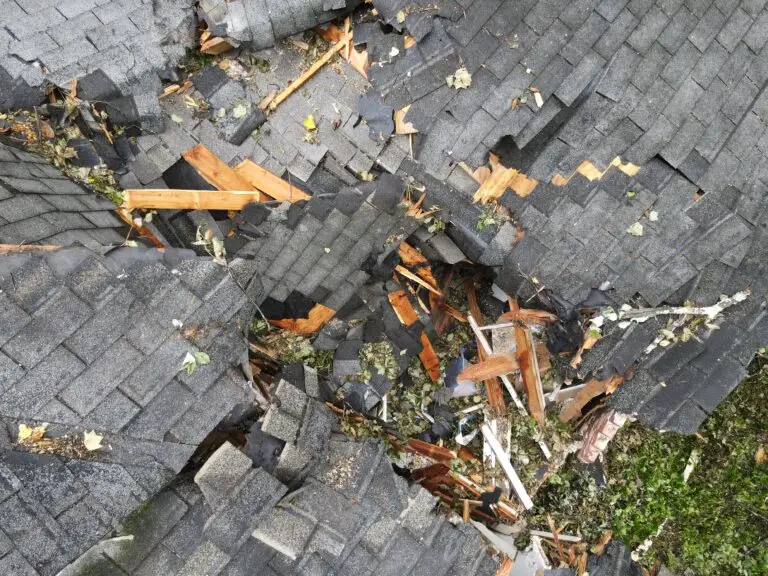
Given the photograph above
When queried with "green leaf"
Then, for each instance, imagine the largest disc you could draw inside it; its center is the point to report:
(178, 119)
(202, 358)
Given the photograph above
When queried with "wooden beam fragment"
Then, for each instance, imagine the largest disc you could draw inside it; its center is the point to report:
(482, 342)
(403, 271)
(164, 199)
(215, 46)
(316, 319)
(216, 172)
(492, 385)
(529, 316)
(431, 451)
(403, 308)
(491, 367)
(416, 260)
(429, 358)
(26, 248)
(268, 183)
(529, 368)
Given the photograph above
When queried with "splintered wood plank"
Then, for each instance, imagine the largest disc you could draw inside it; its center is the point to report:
(268, 183)
(529, 368)
(495, 186)
(492, 385)
(491, 367)
(403, 271)
(431, 451)
(403, 308)
(429, 358)
(529, 316)
(316, 319)
(163, 198)
(216, 172)
(26, 248)
(416, 260)
(311, 71)
(590, 390)
(215, 46)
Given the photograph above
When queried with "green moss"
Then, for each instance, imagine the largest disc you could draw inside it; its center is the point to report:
(716, 523)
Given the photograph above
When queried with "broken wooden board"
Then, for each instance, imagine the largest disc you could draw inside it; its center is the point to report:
(429, 358)
(529, 368)
(416, 260)
(216, 172)
(25, 248)
(529, 316)
(165, 199)
(591, 389)
(316, 319)
(431, 451)
(403, 308)
(491, 367)
(215, 46)
(492, 385)
(403, 271)
(268, 183)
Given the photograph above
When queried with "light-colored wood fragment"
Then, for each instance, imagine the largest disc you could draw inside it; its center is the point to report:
(403, 271)
(216, 172)
(522, 185)
(589, 341)
(215, 46)
(495, 186)
(558, 180)
(482, 174)
(268, 183)
(165, 199)
(316, 319)
(429, 358)
(491, 367)
(309, 72)
(529, 316)
(401, 126)
(403, 308)
(591, 390)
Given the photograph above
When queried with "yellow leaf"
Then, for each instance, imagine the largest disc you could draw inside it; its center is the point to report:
(309, 123)
(400, 17)
(30, 435)
(92, 440)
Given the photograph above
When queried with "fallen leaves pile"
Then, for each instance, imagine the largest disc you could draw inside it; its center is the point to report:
(32, 438)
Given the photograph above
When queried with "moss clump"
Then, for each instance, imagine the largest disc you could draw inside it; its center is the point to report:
(715, 524)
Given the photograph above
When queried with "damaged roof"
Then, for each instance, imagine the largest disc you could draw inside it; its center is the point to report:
(352, 515)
